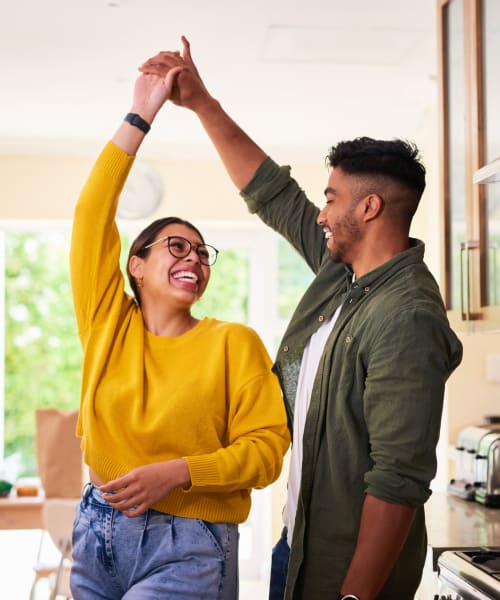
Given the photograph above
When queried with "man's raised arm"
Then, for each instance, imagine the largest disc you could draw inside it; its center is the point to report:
(239, 153)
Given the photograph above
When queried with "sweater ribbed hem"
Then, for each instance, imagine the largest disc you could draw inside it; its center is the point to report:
(216, 507)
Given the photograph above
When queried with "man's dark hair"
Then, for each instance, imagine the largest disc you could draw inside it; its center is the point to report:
(396, 159)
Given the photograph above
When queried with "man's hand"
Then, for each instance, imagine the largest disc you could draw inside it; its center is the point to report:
(141, 488)
(239, 153)
(189, 90)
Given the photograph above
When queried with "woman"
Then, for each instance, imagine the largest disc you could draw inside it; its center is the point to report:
(179, 418)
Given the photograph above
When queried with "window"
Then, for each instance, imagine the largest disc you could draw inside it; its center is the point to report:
(42, 351)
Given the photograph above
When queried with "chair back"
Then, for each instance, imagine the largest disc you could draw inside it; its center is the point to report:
(58, 517)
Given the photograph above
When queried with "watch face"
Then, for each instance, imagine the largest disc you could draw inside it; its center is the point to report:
(142, 193)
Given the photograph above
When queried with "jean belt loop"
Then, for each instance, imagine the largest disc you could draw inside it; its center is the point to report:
(87, 490)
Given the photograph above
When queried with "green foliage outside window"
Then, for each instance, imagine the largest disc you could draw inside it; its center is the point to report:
(294, 276)
(226, 296)
(42, 351)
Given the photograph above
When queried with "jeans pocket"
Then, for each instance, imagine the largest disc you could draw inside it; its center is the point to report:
(218, 533)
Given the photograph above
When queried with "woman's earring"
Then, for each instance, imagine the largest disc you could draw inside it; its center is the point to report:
(140, 282)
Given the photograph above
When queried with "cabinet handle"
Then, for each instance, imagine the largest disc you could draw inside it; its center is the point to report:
(466, 249)
(493, 246)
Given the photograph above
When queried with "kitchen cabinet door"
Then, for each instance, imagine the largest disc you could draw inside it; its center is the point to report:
(491, 83)
(468, 39)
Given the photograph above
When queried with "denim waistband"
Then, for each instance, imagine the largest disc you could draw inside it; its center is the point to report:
(90, 490)
(91, 495)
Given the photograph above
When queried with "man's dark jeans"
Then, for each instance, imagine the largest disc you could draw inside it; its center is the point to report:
(279, 568)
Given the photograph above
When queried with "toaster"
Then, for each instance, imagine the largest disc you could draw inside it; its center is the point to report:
(478, 465)
(488, 470)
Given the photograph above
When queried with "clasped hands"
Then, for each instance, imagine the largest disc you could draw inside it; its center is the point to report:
(188, 89)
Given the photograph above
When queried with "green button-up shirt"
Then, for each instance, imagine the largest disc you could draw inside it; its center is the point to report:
(375, 411)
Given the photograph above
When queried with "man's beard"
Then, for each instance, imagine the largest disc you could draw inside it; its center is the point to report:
(350, 233)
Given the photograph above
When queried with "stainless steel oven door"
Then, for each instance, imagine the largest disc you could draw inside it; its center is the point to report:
(463, 581)
(453, 587)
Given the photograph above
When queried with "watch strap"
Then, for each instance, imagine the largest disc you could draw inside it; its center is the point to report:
(137, 121)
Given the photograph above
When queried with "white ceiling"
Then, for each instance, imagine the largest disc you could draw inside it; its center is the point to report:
(299, 75)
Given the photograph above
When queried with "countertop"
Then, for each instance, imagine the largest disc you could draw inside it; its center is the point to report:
(21, 512)
(454, 523)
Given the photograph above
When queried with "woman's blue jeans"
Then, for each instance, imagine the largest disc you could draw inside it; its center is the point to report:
(150, 557)
(279, 568)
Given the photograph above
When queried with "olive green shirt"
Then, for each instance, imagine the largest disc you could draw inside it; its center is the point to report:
(375, 411)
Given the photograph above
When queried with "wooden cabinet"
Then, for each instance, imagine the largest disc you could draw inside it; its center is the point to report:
(468, 48)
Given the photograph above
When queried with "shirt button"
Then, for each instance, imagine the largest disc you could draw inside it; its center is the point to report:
(348, 339)
(367, 288)
(321, 318)
(285, 348)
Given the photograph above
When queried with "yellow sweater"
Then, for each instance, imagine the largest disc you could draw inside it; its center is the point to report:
(208, 395)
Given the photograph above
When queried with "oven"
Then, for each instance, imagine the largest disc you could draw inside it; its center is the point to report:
(472, 574)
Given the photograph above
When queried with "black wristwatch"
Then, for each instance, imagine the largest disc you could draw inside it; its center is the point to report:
(347, 597)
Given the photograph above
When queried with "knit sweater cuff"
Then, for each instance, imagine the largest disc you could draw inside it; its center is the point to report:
(203, 470)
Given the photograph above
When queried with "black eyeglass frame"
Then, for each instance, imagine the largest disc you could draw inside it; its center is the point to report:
(207, 260)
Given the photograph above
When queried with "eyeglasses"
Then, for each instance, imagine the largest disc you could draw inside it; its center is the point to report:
(180, 247)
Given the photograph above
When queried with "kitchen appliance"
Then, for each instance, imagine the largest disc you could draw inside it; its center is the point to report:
(488, 470)
(472, 574)
(478, 465)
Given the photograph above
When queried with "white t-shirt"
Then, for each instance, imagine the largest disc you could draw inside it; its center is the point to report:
(308, 367)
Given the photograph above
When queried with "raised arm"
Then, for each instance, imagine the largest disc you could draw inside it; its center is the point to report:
(150, 93)
(239, 153)
(96, 207)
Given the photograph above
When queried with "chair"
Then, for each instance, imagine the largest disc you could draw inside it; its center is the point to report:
(61, 471)
(58, 516)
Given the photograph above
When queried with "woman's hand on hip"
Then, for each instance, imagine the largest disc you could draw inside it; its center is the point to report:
(138, 490)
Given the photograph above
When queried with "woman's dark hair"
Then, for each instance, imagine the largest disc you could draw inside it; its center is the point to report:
(148, 236)
(396, 159)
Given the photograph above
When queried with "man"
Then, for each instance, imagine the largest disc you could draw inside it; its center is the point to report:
(363, 362)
